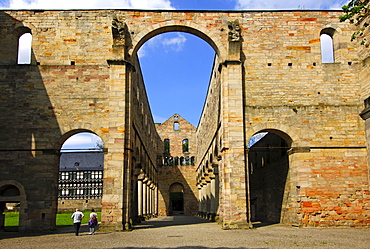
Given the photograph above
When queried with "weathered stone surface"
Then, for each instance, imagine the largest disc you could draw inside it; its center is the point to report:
(84, 76)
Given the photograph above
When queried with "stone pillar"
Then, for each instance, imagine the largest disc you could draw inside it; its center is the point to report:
(113, 189)
(2, 216)
(213, 197)
(155, 200)
(208, 197)
(145, 204)
(150, 196)
(204, 200)
(214, 191)
(234, 202)
(140, 198)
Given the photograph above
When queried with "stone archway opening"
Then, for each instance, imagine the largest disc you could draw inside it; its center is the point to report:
(10, 202)
(176, 199)
(81, 170)
(268, 164)
(181, 90)
(176, 63)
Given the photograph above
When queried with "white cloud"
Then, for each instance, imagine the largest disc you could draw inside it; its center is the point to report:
(290, 4)
(88, 4)
(175, 43)
(166, 42)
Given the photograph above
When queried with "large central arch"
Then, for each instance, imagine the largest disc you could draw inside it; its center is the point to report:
(152, 31)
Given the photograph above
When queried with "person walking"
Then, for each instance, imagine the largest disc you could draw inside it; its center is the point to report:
(93, 222)
(77, 217)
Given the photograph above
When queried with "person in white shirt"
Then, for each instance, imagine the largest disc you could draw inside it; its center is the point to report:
(77, 217)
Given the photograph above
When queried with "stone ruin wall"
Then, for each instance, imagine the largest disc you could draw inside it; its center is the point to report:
(77, 82)
(173, 174)
(317, 105)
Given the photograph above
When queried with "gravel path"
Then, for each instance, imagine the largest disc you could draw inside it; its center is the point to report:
(175, 232)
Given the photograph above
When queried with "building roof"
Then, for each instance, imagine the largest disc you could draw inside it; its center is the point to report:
(73, 161)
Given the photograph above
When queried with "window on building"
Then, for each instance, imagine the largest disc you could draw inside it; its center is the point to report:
(80, 185)
(185, 145)
(176, 126)
(170, 161)
(327, 45)
(167, 146)
(192, 160)
(24, 48)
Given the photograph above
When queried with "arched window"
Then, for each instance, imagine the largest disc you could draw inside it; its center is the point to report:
(176, 126)
(185, 145)
(167, 146)
(24, 48)
(327, 45)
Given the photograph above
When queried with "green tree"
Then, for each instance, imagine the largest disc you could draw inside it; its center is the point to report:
(357, 12)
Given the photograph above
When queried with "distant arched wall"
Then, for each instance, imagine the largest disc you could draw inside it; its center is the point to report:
(14, 197)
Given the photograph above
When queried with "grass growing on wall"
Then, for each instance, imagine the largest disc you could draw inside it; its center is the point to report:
(64, 219)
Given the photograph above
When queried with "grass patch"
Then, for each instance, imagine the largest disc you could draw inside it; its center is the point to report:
(64, 219)
(11, 219)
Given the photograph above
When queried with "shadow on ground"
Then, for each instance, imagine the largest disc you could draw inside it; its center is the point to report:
(10, 233)
(165, 221)
(187, 247)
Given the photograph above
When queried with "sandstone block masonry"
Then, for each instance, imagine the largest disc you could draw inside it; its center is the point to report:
(268, 76)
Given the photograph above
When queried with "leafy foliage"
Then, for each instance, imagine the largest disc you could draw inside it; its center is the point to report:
(357, 12)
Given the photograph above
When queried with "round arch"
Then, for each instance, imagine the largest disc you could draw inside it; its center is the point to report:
(280, 133)
(289, 133)
(151, 32)
(176, 198)
(69, 134)
(21, 30)
(20, 188)
(12, 191)
(176, 187)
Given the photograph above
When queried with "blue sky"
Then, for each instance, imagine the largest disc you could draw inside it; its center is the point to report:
(170, 88)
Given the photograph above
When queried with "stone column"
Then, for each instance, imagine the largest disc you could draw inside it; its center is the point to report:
(234, 202)
(145, 198)
(113, 189)
(140, 198)
(150, 196)
(213, 197)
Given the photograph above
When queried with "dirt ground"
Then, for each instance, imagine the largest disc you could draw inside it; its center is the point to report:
(175, 232)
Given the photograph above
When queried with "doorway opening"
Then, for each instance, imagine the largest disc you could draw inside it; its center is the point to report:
(176, 199)
(268, 171)
(9, 208)
(11, 216)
